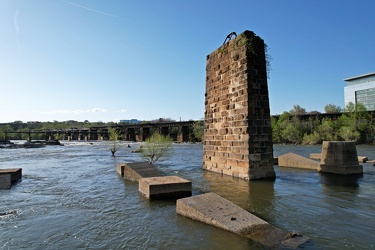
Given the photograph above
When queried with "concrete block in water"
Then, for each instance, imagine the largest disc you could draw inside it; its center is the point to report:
(137, 170)
(165, 187)
(11, 175)
(217, 211)
(296, 161)
(5, 181)
(339, 157)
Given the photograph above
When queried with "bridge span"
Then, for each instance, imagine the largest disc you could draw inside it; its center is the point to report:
(178, 131)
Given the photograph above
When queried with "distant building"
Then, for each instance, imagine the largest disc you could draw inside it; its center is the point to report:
(131, 121)
(361, 89)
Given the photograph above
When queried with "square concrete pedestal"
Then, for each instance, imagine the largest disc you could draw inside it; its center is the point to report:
(339, 157)
(137, 170)
(9, 176)
(165, 187)
(5, 181)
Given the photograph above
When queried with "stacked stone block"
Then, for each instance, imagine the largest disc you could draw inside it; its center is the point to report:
(237, 134)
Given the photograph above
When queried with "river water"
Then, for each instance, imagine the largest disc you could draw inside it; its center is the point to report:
(71, 197)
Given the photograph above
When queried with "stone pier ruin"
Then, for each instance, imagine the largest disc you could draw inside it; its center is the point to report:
(237, 134)
(339, 157)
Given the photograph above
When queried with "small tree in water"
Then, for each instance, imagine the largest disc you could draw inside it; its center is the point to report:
(156, 147)
(114, 135)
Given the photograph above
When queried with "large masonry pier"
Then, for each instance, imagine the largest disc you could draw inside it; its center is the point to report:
(238, 135)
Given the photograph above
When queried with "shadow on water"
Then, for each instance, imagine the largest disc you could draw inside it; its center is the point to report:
(335, 180)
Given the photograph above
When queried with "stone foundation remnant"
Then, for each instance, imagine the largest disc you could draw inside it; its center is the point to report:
(293, 160)
(215, 210)
(165, 187)
(237, 133)
(9, 176)
(339, 157)
(137, 170)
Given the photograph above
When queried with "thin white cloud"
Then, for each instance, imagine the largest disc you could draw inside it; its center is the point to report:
(95, 11)
(17, 28)
(99, 110)
(122, 111)
(15, 22)
(74, 112)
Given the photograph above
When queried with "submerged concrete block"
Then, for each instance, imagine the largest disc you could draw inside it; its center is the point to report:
(137, 170)
(5, 181)
(339, 157)
(318, 156)
(362, 159)
(217, 211)
(293, 160)
(165, 187)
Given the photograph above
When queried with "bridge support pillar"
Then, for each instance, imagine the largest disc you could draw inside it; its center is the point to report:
(238, 134)
(164, 130)
(145, 133)
(183, 134)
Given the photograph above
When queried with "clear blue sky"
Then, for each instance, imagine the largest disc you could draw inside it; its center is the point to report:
(105, 60)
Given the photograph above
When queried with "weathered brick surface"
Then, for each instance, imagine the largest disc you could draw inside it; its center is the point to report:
(238, 135)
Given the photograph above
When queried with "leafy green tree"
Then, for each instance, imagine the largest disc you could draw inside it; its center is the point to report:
(332, 108)
(157, 147)
(349, 134)
(2, 135)
(278, 125)
(293, 131)
(354, 122)
(311, 139)
(197, 131)
(114, 135)
(297, 110)
(327, 130)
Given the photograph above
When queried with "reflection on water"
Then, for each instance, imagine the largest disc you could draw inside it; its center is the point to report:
(71, 197)
(351, 182)
(243, 193)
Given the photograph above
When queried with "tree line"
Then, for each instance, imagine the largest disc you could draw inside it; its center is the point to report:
(354, 124)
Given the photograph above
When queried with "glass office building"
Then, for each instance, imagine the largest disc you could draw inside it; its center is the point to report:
(361, 89)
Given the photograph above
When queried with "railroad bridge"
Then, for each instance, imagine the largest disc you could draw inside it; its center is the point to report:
(178, 131)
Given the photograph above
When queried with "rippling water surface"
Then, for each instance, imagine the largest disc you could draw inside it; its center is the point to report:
(71, 197)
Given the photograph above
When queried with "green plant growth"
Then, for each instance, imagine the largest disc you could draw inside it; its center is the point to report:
(157, 147)
(354, 123)
(197, 131)
(2, 134)
(114, 135)
(332, 108)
